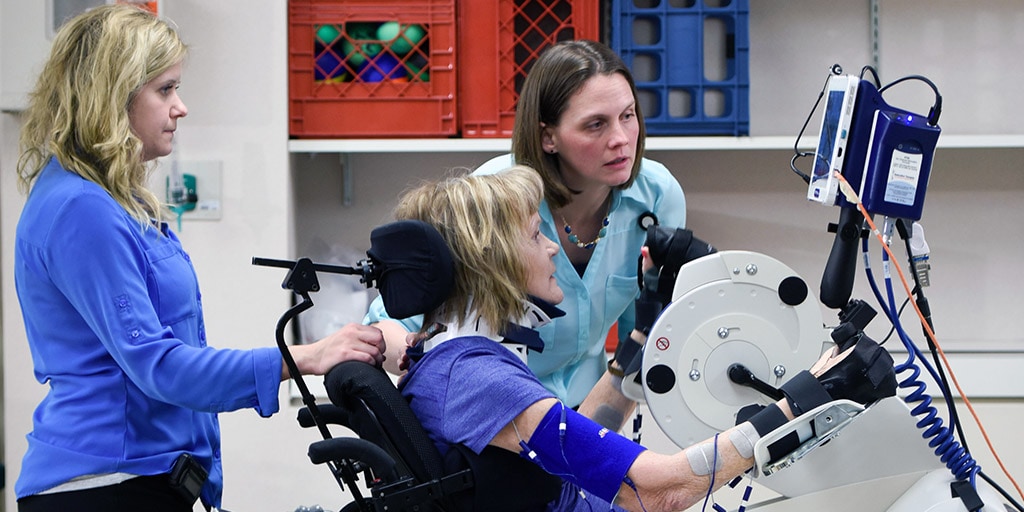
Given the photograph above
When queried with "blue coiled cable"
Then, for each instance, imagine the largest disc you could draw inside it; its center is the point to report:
(941, 438)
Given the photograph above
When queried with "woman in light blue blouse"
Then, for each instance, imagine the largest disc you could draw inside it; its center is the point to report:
(579, 124)
(109, 297)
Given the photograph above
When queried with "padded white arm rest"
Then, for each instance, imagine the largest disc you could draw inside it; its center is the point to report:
(824, 422)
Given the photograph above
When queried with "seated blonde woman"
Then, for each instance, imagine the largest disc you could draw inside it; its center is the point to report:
(469, 384)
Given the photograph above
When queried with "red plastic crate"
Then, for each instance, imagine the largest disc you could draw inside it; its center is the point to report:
(498, 41)
(371, 68)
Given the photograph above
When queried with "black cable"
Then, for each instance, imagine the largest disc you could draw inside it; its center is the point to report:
(933, 119)
(792, 165)
(905, 233)
(893, 328)
(874, 74)
(936, 110)
(944, 384)
(835, 69)
(1000, 490)
(944, 381)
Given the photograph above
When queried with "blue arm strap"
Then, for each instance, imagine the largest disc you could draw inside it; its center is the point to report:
(572, 446)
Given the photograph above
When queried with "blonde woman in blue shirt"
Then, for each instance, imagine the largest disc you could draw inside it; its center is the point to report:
(109, 297)
(579, 124)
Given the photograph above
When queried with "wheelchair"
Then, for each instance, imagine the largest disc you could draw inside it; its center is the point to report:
(403, 470)
(400, 466)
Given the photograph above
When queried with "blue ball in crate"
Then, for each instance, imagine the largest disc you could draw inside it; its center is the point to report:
(382, 67)
(328, 67)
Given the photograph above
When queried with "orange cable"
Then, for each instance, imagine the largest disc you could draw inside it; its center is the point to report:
(851, 196)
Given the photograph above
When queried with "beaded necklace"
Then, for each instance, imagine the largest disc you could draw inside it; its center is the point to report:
(586, 245)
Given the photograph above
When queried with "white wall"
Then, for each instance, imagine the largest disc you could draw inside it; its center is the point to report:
(235, 86)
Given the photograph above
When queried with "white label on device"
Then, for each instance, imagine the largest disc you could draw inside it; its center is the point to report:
(904, 172)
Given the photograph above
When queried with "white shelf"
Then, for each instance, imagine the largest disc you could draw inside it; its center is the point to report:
(981, 141)
(786, 142)
(483, 145)
(398, 145)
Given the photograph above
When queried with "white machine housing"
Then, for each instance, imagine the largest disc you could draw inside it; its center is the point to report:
(746, 307)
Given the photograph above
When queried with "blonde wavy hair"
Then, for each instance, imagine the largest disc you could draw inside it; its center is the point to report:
(78, 110)
(482, 219)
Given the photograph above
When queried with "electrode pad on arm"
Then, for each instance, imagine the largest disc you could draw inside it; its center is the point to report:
(572, 446)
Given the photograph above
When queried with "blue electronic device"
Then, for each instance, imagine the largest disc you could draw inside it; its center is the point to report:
(889, 156)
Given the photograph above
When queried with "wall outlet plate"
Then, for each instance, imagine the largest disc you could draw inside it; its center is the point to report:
(208, 185)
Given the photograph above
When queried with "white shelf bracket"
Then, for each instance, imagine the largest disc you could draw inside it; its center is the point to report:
(346, 180)
(873, 35)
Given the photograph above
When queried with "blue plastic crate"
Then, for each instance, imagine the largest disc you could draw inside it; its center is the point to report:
(691, 63)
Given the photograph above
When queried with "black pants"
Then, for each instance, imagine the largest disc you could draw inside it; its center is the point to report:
(149, 493)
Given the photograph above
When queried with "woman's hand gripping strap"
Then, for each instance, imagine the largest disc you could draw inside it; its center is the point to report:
(570, 445)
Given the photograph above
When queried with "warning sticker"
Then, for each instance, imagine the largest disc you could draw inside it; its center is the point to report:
(662, 343)
(904, 173)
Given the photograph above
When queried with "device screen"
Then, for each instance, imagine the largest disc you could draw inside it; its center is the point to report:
(829, 132)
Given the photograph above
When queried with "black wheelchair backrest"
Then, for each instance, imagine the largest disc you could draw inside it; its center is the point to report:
(408, 472)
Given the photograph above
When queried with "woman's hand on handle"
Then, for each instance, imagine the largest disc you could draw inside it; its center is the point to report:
(353, 342)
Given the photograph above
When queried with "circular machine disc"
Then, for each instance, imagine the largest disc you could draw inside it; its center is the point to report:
(728, 307)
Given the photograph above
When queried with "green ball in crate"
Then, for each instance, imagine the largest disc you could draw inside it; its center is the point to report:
(418, 66)
(360, 43)
(351, 54)
(417, 73)
(402, 38)
(362, 30)
(327, 33)
(356, 54)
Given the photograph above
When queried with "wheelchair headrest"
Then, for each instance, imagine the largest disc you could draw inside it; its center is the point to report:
(414, 266)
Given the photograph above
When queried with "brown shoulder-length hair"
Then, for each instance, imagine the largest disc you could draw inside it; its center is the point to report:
(557, 74)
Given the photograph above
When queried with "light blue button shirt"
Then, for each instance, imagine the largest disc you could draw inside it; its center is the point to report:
(574, 355)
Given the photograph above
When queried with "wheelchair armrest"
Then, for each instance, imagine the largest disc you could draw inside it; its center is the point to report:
(332, 414)
(355, 449)
(824, 423)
